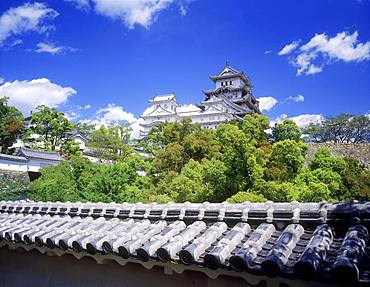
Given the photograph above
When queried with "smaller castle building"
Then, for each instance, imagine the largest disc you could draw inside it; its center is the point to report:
(231, 99)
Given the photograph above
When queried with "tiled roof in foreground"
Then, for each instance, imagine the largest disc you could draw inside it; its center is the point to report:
(325, 242)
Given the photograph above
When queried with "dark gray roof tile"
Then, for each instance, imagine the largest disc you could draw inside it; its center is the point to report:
(37, 154)
(320, 241)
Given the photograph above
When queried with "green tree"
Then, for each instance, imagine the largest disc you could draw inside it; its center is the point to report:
(324, 159)
(169, 158)
(360, 129)
(163, 134)
(239, 158)
(243, 196)
(344, 128)
(287, 130)
(355, 181)
(215, 179)
(200, 144)
(84, 129)
(11, 125)
(286, 160)
(120, 182)
(314, 192)
(254, 127)
(188, 185)
(275, 191)
(48, 129)
(111, 143)
(328, 177)
(56, 183)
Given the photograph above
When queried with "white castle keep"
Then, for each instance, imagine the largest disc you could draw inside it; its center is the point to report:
(231, 99)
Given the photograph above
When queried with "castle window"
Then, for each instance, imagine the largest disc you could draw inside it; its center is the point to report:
(231, 82)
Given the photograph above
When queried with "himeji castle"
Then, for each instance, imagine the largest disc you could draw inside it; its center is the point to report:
(231, 99)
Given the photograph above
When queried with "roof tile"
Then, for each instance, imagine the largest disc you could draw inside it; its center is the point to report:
(324, 241)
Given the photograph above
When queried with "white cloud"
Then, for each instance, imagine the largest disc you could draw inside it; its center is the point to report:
(183, 10)
(312, 69)
(131, 12)
(322, 50)
(305, 120)
(26, 95)
(82, 4)
(279, 119)
(86, 107)
(112, 114)
(16, 42)
(301, 120)
(2, 80)
(288, 48)
(297, 99)
(267, 103)
(71, 116)
(25, 18)
(341, 47)
(51, 48)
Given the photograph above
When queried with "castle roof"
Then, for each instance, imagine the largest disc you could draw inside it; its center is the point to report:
(229, 72)
(37, 154)
(325, 242)
(166, 97)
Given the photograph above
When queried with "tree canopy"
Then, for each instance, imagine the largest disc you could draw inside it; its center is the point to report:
(48, 130)
(236, 162)
(345, 128)
(111, 143)
(11, 125)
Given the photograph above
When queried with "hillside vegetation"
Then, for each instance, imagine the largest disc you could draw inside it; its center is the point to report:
(236, 162)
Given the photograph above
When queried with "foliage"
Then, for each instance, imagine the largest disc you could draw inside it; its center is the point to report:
(345, 128)
(236, 162)
(314, 192)
(56, 183)
(165, 133)
(238, 156)
(287, 130)
(48, 129)
(111, 143)
(11, 125)
(254, 127)
(84, 129)
(169, 158)
(323, 159)
(275, 191)
(81, 180)
(243, 196)
(355, 181)
(286, 160)
(188, 185)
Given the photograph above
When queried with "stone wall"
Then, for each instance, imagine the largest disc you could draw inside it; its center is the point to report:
(13, 184)
(357, 151)
(14, 176)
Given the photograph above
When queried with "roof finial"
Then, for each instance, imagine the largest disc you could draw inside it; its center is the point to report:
(227, 62)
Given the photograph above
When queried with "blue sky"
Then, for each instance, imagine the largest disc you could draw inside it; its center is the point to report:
(101, 60)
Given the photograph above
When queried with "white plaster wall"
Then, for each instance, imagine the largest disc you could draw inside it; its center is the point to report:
(81, 143)
(237, 82)
(13, 165)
